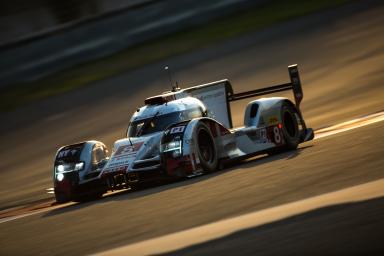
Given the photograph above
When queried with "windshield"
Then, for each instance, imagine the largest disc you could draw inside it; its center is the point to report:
(160, 122)
(69, 154)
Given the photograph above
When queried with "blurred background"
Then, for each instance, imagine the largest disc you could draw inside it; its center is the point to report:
(22, 19)
(40, 38)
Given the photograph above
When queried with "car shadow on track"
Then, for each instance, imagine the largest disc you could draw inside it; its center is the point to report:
(157, 187)
(344, 229)
(262, 159)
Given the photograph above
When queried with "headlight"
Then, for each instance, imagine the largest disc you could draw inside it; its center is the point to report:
(69, 167)
(60, 168)
(79, 166)
(173, 147)
(60, 176)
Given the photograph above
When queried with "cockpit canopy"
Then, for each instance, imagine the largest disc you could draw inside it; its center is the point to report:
(154, 118)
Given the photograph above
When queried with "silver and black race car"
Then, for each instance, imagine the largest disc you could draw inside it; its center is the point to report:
(76, 171)
(184, 133)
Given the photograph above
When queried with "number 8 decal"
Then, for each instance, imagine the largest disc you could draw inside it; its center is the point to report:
(277, 135)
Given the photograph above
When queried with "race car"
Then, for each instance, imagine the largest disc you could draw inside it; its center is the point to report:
(76, 171)
(188, 132)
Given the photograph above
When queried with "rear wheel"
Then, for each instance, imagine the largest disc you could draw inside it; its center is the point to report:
(290, 126)
(290, 129)
(206, 148)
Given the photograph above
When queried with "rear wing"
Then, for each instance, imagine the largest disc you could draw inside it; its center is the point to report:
(224, 114)
(294, 85)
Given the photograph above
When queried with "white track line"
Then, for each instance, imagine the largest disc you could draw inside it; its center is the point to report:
(33, 212)
(50, 190)
(324, 132)
(349, 125)
(226, 227)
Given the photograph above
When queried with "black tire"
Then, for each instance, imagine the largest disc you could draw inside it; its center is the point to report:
(62, 198)
(136, 186)
(206, 148)
(290, 126)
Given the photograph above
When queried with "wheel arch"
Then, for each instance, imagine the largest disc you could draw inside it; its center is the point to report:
(187, 135)
(268, 111)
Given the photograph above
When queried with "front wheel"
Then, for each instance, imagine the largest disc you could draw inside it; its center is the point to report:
(62, 197)
(136, 186)
(206, 148)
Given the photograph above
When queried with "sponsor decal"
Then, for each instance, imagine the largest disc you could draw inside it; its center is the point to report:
(177, 129)
(259, 135)
(123, 157)
(114, 170)
(273, 120)
(128, 149)
(66, 153)
(210, 96)
(214, 98)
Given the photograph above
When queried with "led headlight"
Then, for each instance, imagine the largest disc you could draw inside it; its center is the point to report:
(173, 147)
(60, 177)
(79, 166)
(69, 167)
(60, 168)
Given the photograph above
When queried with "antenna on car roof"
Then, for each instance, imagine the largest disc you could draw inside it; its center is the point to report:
(175, 87)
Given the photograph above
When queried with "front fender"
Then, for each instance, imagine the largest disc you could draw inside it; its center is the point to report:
(175, 149)
(187, 163)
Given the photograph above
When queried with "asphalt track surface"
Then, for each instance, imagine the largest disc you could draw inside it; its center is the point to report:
(341, 59)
